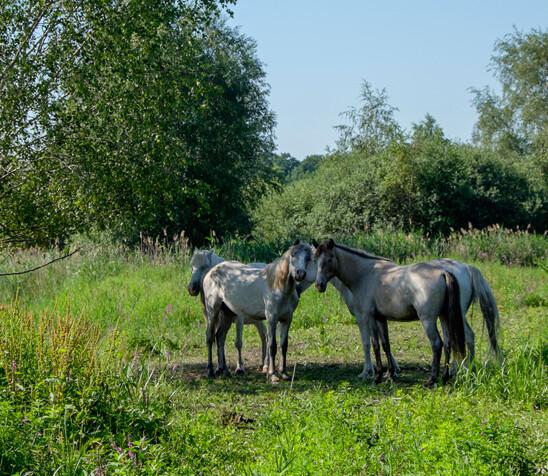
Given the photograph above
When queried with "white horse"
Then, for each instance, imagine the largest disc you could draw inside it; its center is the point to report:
(473, 287)
(267, 294)
(383, 290)
(201, 262)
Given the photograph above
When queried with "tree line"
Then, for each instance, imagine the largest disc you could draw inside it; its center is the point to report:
(381, 175)
(153, 118)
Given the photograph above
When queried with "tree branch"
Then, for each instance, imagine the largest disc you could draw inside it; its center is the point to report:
(41, 266)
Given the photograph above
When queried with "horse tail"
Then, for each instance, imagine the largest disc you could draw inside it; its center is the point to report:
(482, 292)
(453, 313)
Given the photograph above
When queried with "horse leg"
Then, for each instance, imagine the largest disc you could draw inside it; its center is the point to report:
(363, 325)
(469, 337)
(377, 352)
(393, 367)
(271, 346)
(222, 329)
(284, 338)
(431, 329)
(212, 317)
(264, 355)
(238, 343)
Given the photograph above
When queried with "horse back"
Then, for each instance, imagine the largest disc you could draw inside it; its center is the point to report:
(404, 292)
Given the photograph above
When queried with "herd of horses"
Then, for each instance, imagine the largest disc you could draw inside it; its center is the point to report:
(375, 290)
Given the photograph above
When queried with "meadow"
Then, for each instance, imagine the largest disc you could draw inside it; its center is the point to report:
(102, 371)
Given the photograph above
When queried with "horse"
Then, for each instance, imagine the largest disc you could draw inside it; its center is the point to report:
(267, 294)
(382, 290)
(472, 286)
(201, 262)
(379, 327)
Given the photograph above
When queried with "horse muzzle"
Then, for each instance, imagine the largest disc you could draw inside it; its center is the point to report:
(321, 287)
(193, 290)
(300, 275)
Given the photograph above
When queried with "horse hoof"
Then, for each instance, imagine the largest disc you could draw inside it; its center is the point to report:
(210, 373)
(264, 369)
(273, 378)
(224, 372)
(364, 375)
(240, 371)
(430, 383)
(378, 378)
(284, 376)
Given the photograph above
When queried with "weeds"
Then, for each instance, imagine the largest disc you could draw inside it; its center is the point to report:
(102, 363)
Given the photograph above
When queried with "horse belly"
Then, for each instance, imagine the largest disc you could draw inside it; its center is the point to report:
(250, 308)
(394, 309)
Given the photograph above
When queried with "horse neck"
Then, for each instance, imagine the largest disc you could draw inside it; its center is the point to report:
(339, 286)
(351, 268)
(215, 260)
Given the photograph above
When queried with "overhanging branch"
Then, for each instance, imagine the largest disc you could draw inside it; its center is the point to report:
(41, 266)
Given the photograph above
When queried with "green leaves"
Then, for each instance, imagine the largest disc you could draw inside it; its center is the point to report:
(516, 122)
(149, 117)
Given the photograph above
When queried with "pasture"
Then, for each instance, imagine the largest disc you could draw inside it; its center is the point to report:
(103, 371)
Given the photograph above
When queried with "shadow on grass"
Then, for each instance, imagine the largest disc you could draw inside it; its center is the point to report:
(309, 376)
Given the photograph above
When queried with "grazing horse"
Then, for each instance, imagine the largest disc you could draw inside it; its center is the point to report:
(383, 290)
(202, 261)
(267, 294)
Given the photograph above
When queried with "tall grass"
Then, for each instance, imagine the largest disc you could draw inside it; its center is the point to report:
(68, 398)
(101, 373)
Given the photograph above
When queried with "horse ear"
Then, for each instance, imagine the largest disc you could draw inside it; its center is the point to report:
(315, 243)
(297, 242)
(330, 244)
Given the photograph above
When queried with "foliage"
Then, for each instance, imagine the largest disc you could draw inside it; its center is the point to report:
(308, 165)
(517, 120)
(427, 183)
(372, 126)
(131, 116)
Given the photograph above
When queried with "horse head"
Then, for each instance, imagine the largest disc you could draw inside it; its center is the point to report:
(300, 257)
(326, 261)
(201, 262)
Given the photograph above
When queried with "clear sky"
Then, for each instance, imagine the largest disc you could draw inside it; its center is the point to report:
(427, 54)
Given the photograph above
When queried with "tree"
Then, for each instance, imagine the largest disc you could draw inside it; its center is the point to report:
(372, 126)
(282, 166)
(516, 121)
(134, 116)
(308, 165)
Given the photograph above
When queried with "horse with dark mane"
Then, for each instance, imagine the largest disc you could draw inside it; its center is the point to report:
(383, 290)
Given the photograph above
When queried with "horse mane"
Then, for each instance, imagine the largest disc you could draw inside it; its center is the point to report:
(361, 253)
(205, 258)
(277, 272)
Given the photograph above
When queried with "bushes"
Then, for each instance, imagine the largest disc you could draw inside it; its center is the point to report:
(431, 185)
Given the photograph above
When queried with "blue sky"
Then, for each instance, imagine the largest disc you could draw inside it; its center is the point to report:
(427, 54)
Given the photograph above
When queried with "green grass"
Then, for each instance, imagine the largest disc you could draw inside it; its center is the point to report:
(102, 370)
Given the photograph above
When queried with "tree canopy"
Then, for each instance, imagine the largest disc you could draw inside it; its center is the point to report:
(134, 116)
(517, 120)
